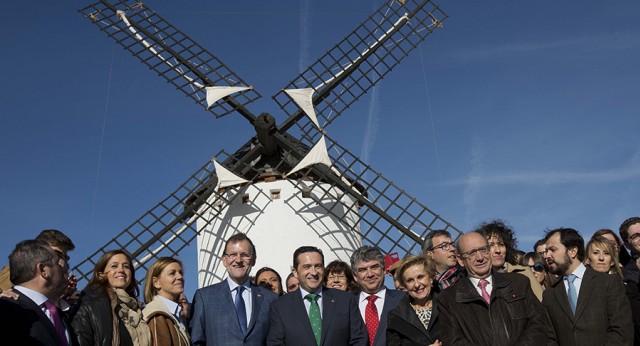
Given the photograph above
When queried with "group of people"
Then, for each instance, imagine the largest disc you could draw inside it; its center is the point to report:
(478, 290)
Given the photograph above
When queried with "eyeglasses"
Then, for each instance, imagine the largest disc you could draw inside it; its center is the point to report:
(443, 246)
(483, 251)
(244, 256)
(537, 267)
(336, 277)
(634, 238)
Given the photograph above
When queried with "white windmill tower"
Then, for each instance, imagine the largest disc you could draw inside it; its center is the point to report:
(291, 184)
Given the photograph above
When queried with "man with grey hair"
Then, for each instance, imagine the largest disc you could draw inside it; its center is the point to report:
(40, 276)
(375, 300)
(439, 247)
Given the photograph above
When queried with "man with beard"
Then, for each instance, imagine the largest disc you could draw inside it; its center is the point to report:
(439, 247)
(489, 308)
(585, 307)
(234, 311)
(314, 315)
(40, 276)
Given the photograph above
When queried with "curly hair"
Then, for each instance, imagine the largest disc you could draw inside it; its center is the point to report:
(499, 229)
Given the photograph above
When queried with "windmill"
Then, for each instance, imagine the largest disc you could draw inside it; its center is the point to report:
(291, 184)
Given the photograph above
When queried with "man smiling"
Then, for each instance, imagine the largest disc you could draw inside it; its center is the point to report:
(247, 304)
(314, 315)
(489, 308)
(375, 300)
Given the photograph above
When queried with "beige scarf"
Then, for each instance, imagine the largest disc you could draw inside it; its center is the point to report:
(130, 313)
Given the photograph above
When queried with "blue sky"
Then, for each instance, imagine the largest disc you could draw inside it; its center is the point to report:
(526, 111)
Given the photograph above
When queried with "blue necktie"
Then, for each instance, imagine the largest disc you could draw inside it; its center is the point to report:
(573, 296)
(240, 309)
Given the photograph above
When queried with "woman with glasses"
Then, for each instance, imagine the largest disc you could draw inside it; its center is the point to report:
(540, 269)
(338, 275)
(602, 256)
(109, 312)
(269, 278)
(414, 320)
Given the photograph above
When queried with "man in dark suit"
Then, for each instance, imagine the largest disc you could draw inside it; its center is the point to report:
(488, 308)
(314, 315)
(40, 278)
(585, 307)
(375, 300)
(234, 311)
(630, 234)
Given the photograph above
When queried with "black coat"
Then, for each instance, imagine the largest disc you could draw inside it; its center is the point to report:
(515, 316)
(404, 327)
(93, 321)
(24, 323)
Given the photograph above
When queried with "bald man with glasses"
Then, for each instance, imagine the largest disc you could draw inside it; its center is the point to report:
(486, 307)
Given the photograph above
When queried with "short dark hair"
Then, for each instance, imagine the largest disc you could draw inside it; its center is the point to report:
(238, 237)
(25, 256)
(428, 239)
(499, 229)
(56, 238)
(366, 253)
(569, 237)
(624, 227)
(538, 243)
(341, 267)
(302, 250)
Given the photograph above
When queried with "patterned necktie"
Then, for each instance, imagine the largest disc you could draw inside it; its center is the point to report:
(483, 288)
(371, 317)
(314, 316)
(573, 296)
(240, 309)
(57, 322)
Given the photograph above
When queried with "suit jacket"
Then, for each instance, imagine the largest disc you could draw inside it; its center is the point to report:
(603, 313)
(24, 322)
(514, 317)
(213, 314)
(391, 300)
(341, 321)
(406, 329)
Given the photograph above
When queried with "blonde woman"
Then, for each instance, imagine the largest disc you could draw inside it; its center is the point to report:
(163, 287)
(602, 256)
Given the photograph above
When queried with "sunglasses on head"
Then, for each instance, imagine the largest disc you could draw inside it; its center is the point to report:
(537, 267)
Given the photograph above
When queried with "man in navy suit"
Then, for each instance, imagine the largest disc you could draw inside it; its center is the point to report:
(40, 276)
(375, 300)
(314, 315)
(234, 311)
(585, 307)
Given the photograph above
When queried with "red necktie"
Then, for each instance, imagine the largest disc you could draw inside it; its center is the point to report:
(57, 322)
(371, 318)
(483, 288)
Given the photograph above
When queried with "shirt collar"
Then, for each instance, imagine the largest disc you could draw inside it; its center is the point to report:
(174, 307)
(36, 296)
(233, 284)
(475, 281)
(579, 271)
(305, 292)
(380, 294)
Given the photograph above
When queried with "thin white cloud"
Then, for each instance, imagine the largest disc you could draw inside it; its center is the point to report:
(371, 127)
(475, 179)
(606, 43)
(305, 41)
(471, 183)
